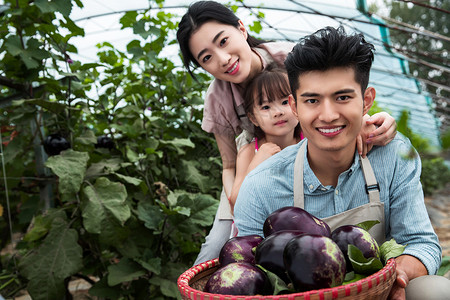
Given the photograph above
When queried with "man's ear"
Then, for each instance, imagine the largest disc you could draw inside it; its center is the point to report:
(293, 105)
(241, 28)
(369, 97)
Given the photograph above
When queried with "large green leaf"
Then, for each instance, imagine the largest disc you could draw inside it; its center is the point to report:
(104, 200)
(70, 167)
(57, 258)
(150, 214)
(193, 175)
(125, 270)
(203, 208)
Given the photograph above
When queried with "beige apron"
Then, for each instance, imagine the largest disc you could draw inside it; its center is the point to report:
(374, 210)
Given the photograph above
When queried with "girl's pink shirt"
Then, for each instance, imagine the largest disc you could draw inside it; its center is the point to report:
(220, 114)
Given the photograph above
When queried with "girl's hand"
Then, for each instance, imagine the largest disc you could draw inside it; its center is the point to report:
(264, 152)
(371, 135)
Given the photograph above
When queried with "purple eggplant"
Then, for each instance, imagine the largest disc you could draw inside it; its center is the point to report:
(360, 238)
(294, 218)
(239, 279)
(269, 253)
(239, 249)
(314, 262)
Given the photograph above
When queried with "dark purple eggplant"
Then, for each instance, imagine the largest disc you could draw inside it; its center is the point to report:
(314, 262)
(239, 249)
(55, 143)
(360, 238)
(239, 279)
(294, 218)
(269, 253)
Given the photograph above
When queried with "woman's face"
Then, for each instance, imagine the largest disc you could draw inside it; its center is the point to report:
(222, 50)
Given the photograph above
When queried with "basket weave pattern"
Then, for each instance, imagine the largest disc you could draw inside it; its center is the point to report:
(376, 286)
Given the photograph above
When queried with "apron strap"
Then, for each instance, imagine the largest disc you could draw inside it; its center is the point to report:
(372, 186)
(299, 200)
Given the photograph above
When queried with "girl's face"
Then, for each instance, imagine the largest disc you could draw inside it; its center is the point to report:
(222, 50)
(274, 118)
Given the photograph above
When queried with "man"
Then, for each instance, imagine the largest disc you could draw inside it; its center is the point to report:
(328, 73)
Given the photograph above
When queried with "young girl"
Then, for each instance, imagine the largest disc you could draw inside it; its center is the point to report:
(211, 36)
(266, 101)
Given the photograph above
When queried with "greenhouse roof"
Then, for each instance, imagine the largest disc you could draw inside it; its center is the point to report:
(397, 90)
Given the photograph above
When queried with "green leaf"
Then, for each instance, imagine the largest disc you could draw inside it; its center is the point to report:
(104, 167)
(70, 167)
(445, 266)
(132, 180)
(203, 208)
(193, 175)
(279, 286)
(58, 257)
(367, 225)
(352, 277)
(363, 265)
(86, 138)
(168, 287)
(150, 214)
(153, 264)
(41, 224)
(103, 290)
(125, 270)
(390, 249)
(105, 200)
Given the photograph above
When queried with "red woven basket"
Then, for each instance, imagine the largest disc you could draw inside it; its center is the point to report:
(376, 286)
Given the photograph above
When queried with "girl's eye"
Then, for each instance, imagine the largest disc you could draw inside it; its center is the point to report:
(285, 102)
(223, 41)
(265, 107)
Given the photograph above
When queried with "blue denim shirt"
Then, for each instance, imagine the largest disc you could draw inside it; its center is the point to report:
(270, 186)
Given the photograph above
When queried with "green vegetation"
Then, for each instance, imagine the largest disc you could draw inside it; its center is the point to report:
(131, 214)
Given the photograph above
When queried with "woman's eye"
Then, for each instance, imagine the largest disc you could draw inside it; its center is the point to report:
(206, 58)
(223, 41)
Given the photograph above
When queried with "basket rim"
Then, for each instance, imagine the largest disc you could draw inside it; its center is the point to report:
(379, 277)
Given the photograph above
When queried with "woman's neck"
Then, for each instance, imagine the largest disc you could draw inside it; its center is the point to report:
(256, 68)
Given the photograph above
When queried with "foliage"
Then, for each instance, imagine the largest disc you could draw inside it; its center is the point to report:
(435, 174)
(428, 47)
(131, 217)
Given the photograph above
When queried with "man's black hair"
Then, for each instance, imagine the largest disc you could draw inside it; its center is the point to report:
(330, 48)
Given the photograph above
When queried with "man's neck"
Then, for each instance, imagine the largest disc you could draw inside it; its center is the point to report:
(328, 165)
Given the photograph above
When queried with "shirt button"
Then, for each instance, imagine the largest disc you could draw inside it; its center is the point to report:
(311, 186)
(336, 192)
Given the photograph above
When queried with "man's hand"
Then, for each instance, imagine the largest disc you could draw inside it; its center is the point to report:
(408, 267)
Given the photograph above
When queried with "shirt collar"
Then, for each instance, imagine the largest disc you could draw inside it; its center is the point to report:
(313, 184)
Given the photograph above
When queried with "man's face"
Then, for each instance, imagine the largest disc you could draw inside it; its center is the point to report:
(330, 108)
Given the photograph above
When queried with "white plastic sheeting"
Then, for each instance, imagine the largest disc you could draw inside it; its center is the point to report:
(396, 89)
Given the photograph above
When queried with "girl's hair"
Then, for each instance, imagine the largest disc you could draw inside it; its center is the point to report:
(271, 84)
(198, 14)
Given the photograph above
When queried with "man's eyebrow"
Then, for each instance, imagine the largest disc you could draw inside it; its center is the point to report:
(343, 91)
(308, 94)
(214, 40)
